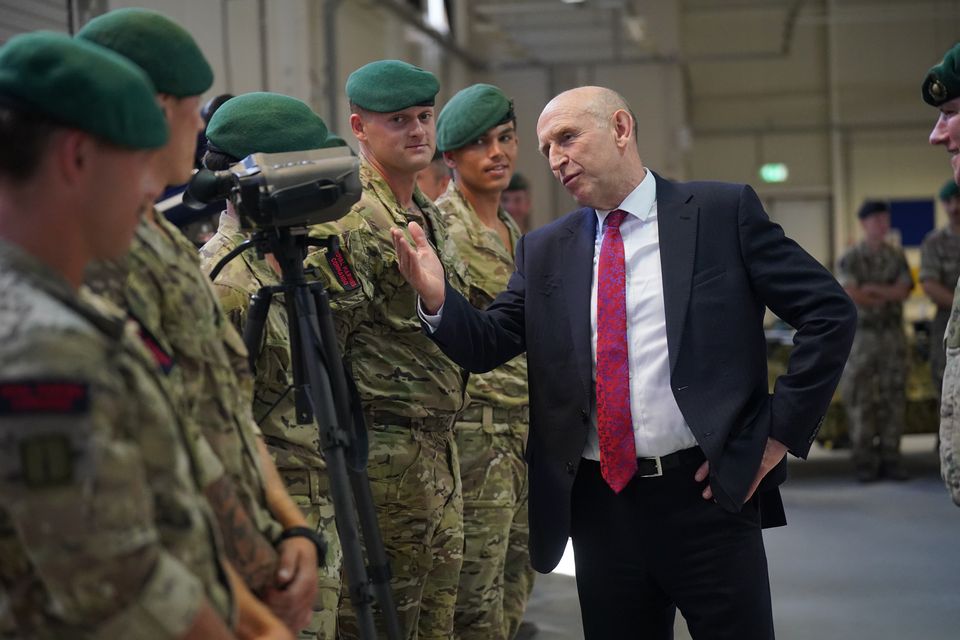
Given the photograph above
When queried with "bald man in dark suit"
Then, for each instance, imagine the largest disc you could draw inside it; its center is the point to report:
(654, 442)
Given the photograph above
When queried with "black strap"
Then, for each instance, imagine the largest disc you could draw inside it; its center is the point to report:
(309, 534)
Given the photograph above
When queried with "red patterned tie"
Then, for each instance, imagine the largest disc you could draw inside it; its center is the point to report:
(618, 455)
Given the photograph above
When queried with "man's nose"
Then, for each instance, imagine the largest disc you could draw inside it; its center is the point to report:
(418, 128)
(557, 160)
(938, 134)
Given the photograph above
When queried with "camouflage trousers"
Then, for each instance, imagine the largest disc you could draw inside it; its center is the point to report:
(496, 578)
(310, 490)
(950, 425)
(415, 481)
(873, 388)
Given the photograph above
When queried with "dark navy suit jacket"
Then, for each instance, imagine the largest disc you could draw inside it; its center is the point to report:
(723, 261)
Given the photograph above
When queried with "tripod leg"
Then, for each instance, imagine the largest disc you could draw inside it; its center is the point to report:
(256, 319)
(378, 565)
(378, 569)
(319, 391)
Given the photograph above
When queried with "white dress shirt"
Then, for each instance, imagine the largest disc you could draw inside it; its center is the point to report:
(658, 425)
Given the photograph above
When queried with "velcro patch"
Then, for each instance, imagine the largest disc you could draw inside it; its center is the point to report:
(341, 270)
(54, 397)
(46, 460)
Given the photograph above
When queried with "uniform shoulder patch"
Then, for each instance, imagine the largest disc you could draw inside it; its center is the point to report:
(44, 432)
(341, 269)
(55, 397)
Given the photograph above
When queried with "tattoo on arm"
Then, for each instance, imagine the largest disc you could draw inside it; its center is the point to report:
(250, 553)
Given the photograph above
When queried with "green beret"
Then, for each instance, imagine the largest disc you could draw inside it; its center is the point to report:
(83, 86)
(942, 83)
(158, 45)
(333, 140)
(518, 183)
(949, 190)
(264, 122)
(470, 113)
(386, 86)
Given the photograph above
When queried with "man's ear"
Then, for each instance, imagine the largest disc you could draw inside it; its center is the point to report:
(449, 161)
(622, 126)
(356, 126)
(166, 103)
(73, 151)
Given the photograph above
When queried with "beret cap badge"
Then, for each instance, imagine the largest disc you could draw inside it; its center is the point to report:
(937, 90)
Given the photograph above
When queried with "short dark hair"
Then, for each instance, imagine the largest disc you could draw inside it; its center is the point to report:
(216, 160)
(872, 207)
(24, 137)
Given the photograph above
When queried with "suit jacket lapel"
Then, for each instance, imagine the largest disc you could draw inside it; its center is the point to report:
(677, 222)
(576, 251)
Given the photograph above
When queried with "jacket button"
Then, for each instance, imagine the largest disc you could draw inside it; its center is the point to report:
(584, 415)
(570, 469)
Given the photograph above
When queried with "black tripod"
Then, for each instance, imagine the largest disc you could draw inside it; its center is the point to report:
(322, 396)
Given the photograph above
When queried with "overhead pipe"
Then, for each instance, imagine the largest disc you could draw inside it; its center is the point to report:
(839, 227)
(414, 19)
(330, 10)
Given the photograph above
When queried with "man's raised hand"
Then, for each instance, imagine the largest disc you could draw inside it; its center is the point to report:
(420, 266)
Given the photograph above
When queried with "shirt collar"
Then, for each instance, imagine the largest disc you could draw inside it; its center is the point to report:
(640, 203)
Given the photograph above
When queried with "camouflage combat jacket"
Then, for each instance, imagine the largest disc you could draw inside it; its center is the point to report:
(489, 267)
(397, 369)
(103, 532)
(940, 261)
(160, 283)
(292, 444)
(860, 265)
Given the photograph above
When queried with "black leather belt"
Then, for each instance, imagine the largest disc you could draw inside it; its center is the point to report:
(656, 466)
(432, 423)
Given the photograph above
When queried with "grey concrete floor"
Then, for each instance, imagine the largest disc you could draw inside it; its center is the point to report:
(878, 561)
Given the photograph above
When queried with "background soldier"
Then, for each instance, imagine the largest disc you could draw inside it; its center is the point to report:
(102, 531)
(476, 131)
(410, 392)
(517, 201)
(273, 123)
(433, 180)
(161, 285)
(876, 276)
(941, 89)
(939, 272)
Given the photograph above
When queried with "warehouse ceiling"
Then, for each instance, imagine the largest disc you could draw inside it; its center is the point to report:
(539, 32)
(510, 33)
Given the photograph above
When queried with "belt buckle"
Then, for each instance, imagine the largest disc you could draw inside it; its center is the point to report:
(655, 474)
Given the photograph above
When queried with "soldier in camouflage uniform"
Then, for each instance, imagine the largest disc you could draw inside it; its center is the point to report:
(876, 276)
(517, 201)
(939, 272)
(159, 283)
(103, 533)
(434, 180)
(410, 392)
(941, 89)
(273, 123)
(476, 131)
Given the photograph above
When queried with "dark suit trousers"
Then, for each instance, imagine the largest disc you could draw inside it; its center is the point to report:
(659, 546)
